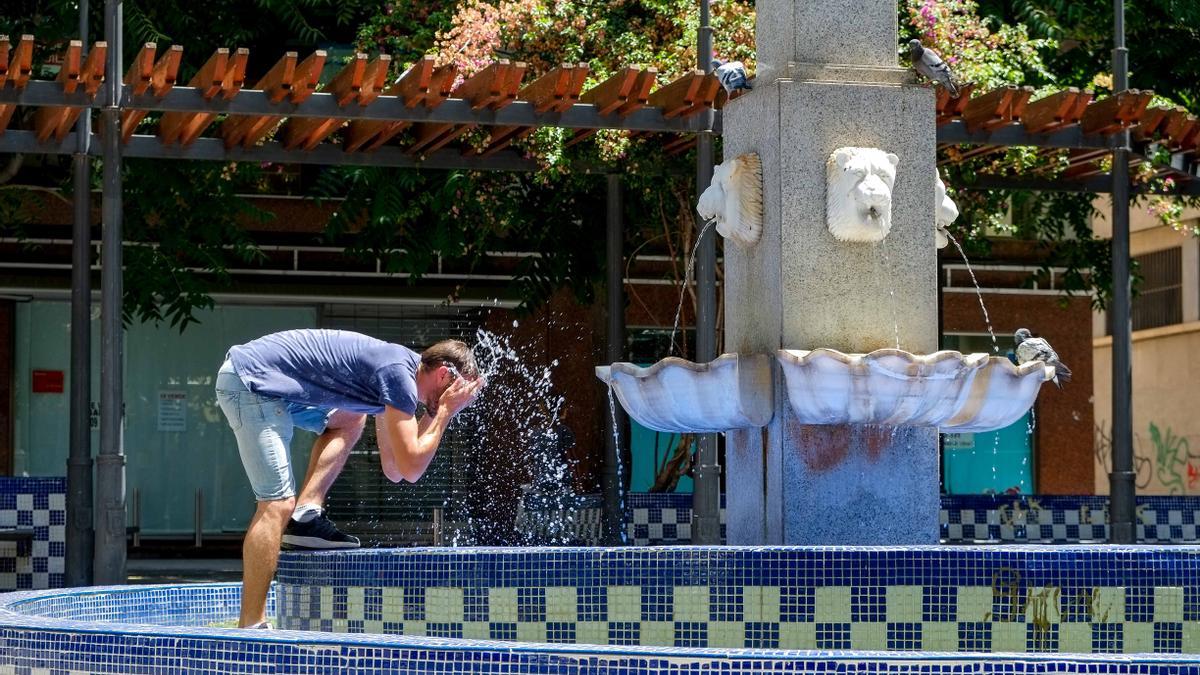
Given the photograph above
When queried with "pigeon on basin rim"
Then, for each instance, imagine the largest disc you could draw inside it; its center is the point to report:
(1031, 348)
(926, 62)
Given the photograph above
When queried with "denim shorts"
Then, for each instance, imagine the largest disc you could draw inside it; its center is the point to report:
(263, 426)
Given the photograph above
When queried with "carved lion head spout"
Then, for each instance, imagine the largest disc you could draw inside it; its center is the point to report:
(947, 212)
(859, 194)
(734, 199)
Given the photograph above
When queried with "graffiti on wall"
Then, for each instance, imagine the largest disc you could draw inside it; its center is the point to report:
(1162, 459)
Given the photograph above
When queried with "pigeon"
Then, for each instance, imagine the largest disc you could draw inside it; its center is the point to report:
(1030, 348)
(731, 75)
(928, 63)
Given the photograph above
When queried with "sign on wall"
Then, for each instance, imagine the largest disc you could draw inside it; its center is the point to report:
(172, 410)
(47, 381)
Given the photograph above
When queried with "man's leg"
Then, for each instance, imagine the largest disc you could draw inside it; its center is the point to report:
(329, 454)
(260, 556)
(263, 429)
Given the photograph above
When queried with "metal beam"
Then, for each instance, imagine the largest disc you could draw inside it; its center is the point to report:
(213, 149)
(706, 513)
(384, 108)
(1122, 487)
(110, 463)
(1101, 184)
(1016, 135)
(80, 534)
(614, 507)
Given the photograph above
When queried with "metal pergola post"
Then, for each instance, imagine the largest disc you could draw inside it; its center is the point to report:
(110, 464)
(706, 508)
(79, 530)
(1122, 528)
(614, 515)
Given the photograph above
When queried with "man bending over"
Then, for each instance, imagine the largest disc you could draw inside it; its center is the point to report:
(328, 381)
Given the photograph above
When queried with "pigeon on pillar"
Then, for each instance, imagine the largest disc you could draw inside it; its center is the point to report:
(926, 62)
(731, 75)
(1031, 348)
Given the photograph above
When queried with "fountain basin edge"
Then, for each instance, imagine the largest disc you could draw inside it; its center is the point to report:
(674, 395)
(956, 392)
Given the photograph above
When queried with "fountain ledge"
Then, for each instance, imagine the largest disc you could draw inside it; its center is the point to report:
(733, 391)
(959, 393)
(956, 392)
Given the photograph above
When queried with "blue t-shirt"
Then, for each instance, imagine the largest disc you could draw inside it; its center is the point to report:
(330, 369)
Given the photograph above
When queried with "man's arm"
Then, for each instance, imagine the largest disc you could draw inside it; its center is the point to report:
(406, 447)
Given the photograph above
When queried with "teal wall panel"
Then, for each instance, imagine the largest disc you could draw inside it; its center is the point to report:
(176, 439)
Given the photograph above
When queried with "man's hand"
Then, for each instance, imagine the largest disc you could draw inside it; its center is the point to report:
(460, 394)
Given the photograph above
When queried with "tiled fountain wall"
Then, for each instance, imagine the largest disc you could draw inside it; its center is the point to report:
(37, 505)
(1009, 599)
(164, 629)
(665, 518)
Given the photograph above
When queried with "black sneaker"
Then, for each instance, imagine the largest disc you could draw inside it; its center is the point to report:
(317, 534)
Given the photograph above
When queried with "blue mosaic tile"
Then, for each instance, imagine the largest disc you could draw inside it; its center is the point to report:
(797, 603)
(502, 631)
(1168, 637)
(531, 604)
(624, 632)
(868, 603)
(904, 636)
(1108, 638)
(975, 636)
(1041, 638)
(658, 603)
(691, 634)
(833, 635)
(762, 635)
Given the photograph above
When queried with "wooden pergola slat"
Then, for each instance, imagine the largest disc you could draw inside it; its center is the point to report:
(424, 83)
(686, 94)
(555, 91)
(159, 80)
(952, 108)
(1056, 111)
(1116, 112)
(493, 88)
(220, 74)
(16, 66)
(47, 121)
(1152, 123)
(347, 87)
(286, 80)
(996, 108)
(1176, 126)
(622, 93)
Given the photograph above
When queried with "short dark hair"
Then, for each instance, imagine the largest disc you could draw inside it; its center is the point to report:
(454, 353)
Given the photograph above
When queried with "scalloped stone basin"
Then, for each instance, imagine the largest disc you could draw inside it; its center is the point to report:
(947, 389)
(679, 396)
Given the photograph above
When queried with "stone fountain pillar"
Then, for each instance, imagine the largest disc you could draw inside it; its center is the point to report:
(828, 77)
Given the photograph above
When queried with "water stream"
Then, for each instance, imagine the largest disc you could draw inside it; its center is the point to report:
(687, 278)
(891, 289)
(612, 412)
(978, 292)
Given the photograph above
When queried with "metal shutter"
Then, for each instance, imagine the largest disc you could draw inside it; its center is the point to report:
(362, 501)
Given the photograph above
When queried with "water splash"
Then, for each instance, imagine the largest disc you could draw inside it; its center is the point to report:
(687, 277)
(612, 413)
(978, 292)
(520, 411)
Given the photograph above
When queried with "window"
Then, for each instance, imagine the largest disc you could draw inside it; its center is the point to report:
(1159, 301)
